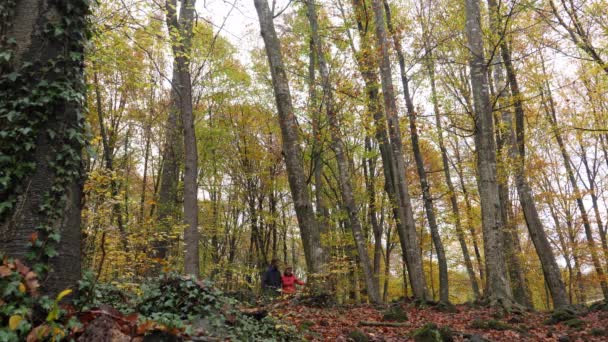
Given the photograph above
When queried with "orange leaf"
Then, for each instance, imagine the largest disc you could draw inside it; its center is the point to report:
(5, 271)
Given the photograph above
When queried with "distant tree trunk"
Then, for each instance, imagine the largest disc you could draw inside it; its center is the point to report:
(551, 115)
(109, 164)
(429, 207)
(42, 182)
(591, 172)
(407, 231)
(181, 32)
(309, 229)
(469, 213)
(369, 166)
(498, 288)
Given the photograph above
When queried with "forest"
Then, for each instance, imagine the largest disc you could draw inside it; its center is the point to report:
(431, 170)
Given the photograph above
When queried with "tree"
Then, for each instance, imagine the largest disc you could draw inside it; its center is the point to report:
(180, 30)
(42, 136)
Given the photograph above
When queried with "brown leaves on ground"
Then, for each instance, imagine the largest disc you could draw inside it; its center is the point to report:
(334, 324)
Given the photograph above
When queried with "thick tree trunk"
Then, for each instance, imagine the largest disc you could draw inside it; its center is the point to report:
(309, 229)
(498, 288)
(181, 31)
(43, 197)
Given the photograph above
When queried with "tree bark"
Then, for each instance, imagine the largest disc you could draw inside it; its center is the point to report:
(181, 30)
(47, 198)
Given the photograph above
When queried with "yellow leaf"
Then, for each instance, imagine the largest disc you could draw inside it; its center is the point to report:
(22, 288)
(14, 321)
(63, 294)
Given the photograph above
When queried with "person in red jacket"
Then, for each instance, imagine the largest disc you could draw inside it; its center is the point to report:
(289, 281)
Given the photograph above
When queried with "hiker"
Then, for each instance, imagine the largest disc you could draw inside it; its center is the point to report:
(271, 279)
(289, 281)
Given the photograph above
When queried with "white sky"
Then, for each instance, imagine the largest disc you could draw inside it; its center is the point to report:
(237, 20)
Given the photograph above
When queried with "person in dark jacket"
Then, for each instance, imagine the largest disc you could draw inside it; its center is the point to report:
(271, 279)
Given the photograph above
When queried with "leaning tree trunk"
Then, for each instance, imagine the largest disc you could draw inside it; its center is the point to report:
(551, 115)
(407, 236)
(344, 172)
(313, 250)
(181, 33)
(43, 134)
(498, 288)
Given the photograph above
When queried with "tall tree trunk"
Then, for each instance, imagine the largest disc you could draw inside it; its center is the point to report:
(407, 231)
(181, 32)
(309, 229)
(497, 285)
(42, 187)
(429, 207)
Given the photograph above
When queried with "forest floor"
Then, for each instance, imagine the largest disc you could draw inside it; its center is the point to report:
(466, 324)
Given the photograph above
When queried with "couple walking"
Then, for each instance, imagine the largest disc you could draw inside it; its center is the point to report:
(273, 281)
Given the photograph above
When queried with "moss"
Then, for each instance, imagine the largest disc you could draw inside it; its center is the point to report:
(575, 323)
(491, 324)
(395, 313)
(561, 315)
(599, 306)
(358, 336)
(428, 333)
(598, 332)
(431, 333)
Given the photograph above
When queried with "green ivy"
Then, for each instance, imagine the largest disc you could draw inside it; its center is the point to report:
(32, 96)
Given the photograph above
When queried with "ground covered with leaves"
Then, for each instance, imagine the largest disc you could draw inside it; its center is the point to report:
(409, 322)
(177, 308)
